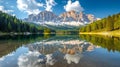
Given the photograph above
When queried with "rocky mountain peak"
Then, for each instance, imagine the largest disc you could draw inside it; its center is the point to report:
(70, 16)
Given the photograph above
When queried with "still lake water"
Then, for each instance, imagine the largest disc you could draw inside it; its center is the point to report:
(59, 51)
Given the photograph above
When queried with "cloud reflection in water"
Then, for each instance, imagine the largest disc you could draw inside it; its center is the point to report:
(50, 52)
(35, 59)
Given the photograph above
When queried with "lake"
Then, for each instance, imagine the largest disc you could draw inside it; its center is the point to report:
(59, 51)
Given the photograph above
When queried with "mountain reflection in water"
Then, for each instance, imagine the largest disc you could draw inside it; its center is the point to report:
(59, 51)
(50, 52)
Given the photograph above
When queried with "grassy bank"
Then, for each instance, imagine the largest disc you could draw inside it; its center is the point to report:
(115, 33)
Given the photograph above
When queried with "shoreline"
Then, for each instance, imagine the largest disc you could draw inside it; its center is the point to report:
(107, 33)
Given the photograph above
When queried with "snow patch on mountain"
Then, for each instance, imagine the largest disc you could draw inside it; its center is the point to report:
(73, 23)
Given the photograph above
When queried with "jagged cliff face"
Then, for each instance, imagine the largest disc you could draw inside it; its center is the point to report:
(78, 17)
(42, 17)
(70, 16)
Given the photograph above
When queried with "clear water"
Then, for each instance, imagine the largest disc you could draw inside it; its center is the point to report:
(59, 51)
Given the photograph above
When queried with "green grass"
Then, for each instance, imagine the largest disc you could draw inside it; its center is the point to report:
(115, 33)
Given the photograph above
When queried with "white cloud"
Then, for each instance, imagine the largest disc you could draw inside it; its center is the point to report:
(49, 5)
(73, 6)
(33, 7)
(29, 6)
(4, 10)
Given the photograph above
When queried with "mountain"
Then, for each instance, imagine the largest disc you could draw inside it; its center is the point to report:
(77, 17)
(66, 20)
(71, 16)
(44, 16)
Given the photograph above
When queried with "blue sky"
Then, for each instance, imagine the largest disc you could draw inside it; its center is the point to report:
(22, 8)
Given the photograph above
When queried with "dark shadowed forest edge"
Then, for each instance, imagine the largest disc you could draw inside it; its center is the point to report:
(107, 26)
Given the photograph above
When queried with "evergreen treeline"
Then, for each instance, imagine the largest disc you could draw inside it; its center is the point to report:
(10, 23)
(107, 24)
